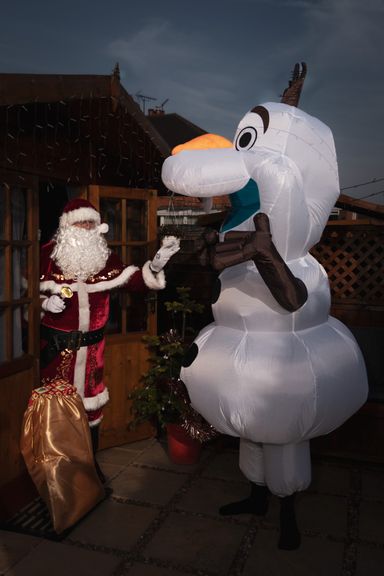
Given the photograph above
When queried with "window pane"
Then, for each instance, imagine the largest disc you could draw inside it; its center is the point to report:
(19, 268)
(26, 313)
(18, 208)
(2, 212)
(24, 272)
(114, 325)
(2, 274)
(17, 331)
(2, 336)
(137, 255)
(137, 220)
(137, 312)
(118, 251)
(110, 210)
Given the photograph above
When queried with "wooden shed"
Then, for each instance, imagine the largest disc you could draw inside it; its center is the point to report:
(63, 137)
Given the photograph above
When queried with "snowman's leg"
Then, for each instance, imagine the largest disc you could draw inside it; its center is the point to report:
(288, 471)
(251, 462)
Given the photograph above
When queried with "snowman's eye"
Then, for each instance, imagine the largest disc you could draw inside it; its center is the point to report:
(246, 138)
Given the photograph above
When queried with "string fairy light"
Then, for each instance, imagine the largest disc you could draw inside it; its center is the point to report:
(80, 138)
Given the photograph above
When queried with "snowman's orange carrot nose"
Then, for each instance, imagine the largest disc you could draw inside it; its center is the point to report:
(203, 142)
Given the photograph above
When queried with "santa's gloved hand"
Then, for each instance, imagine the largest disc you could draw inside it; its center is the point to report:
(169, 246)
(53, 304)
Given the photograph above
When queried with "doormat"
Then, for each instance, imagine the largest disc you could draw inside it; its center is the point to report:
(34, 520)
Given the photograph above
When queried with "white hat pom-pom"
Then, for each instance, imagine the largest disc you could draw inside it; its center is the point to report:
(103, 228)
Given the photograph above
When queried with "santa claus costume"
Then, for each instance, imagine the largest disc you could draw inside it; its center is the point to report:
(77, 273)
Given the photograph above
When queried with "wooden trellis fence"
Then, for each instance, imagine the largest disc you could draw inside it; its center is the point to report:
(352, 254)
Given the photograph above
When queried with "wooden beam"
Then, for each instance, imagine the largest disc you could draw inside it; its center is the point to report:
(360, 206)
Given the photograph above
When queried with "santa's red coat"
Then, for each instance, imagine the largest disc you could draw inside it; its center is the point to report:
(87, 310)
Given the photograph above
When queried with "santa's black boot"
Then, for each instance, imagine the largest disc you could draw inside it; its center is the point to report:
(256, 503)
(95, 445)
(289, 538)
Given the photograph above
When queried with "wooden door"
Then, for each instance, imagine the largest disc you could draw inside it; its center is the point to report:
(19, 324)
(131, 217)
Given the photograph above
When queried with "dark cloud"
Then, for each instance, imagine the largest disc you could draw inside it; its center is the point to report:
(216, 59)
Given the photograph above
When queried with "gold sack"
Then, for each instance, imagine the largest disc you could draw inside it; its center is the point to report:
(57, 449)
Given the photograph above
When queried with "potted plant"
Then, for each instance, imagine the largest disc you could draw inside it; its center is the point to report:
(162, 398)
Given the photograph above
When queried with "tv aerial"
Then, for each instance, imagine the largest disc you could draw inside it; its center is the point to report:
(161, 107)
(144, 99)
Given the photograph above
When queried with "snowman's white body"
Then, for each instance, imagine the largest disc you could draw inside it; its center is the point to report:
(271, 377)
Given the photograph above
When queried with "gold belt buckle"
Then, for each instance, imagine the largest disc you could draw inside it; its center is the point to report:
(66, 292)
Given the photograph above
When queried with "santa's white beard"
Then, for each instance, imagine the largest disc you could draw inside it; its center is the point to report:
(80, 253)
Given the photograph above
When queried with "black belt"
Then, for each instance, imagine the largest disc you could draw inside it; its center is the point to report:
(58, 340)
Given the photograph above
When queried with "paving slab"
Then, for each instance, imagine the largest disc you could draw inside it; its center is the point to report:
(147, 485)
(372, 485)
(117, 456)
(59, 559)
(372, 521)
(193, 538)
(157, 457)
(140, 445)
(148, 570)
(330, 479)
(13, 547)
(316, 557)
(225, 466)
(370, 561)
(206, 495)
(110, 471)
(198, 543)
(113, 525)
(323, 513)
(317, 513)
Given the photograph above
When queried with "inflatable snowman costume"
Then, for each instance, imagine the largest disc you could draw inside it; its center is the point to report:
(273, 368)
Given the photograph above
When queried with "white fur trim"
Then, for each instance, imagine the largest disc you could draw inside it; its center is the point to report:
(84, 313)
(95, 422)
(80, 369)
(42, 312)
(153, 281)
(114, 283)
(96, 402)
(103, 228)
(79, 215)
(54, 288)
(81, 356)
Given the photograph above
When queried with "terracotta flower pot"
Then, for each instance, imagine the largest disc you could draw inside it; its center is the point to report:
(182, 449)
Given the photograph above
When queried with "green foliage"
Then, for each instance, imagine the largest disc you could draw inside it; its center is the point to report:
(182, 308)
(156, 399)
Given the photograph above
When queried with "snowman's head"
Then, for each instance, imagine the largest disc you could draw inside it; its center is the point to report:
(282, 162)
(301, 149)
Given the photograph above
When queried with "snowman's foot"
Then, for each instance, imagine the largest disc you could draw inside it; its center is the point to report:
(256, 503)
(289, 538)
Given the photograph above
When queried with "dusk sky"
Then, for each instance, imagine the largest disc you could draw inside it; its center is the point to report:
(213, 60)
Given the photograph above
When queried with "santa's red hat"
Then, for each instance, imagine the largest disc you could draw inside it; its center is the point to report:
(78, 210)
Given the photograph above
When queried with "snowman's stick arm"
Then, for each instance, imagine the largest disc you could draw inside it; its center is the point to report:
(290, 292)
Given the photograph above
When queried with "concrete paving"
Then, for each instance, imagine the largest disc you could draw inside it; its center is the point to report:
(161, 519)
